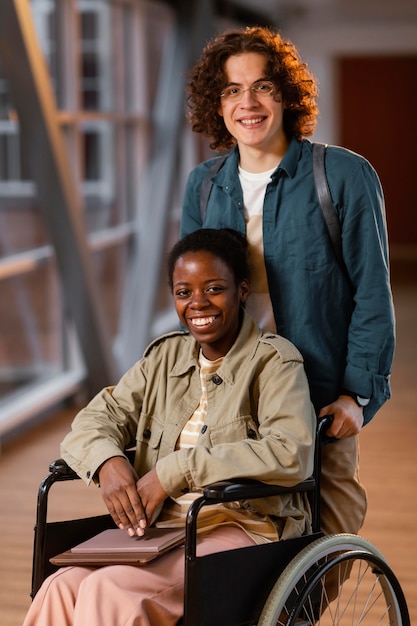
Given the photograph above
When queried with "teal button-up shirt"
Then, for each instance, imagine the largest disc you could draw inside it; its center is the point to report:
(344, 329)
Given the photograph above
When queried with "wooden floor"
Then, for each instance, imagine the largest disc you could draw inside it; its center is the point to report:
(388, 470)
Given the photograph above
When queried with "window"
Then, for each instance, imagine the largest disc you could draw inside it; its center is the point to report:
(96, 57)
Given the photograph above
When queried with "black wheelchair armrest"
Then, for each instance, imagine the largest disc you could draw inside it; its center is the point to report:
(248, 489)
(60, 467)
(229, 491)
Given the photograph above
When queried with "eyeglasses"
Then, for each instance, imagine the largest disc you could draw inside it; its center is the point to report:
(260, 88)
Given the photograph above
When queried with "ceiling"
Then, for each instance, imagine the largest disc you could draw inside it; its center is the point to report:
(328, 11)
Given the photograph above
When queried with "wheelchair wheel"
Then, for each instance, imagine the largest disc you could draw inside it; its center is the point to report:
(337, 580)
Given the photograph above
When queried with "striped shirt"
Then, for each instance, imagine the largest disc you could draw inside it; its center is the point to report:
(259, 527)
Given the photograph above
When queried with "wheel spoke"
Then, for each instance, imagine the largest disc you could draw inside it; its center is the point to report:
(336, 581)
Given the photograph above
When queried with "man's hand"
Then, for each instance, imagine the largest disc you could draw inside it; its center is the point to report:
(347, 417)
(119, 491)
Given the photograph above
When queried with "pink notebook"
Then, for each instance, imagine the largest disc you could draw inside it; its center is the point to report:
(115, 546)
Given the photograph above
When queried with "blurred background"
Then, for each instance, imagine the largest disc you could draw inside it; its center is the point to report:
(95, 150)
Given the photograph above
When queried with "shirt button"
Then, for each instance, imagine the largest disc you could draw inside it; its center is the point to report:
(216, 379)
(204, 428)
(147, 433)
(88, 474)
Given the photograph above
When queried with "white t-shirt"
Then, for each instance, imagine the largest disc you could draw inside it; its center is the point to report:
(259, 304)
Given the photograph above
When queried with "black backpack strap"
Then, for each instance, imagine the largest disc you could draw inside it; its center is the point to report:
(207, 184)
(326, 203)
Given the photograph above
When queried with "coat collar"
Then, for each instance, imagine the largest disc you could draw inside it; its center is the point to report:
(242, 350)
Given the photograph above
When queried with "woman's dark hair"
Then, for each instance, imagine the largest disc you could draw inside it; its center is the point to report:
(224, 243)
(284, 68)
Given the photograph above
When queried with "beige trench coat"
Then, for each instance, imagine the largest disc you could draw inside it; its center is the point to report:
(260, 421)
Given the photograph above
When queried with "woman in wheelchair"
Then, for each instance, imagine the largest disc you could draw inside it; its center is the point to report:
(217, 400)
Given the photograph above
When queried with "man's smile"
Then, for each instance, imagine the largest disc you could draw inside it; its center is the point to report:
(252, 121)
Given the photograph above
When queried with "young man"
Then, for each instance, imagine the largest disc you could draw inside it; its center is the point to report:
(262, 104)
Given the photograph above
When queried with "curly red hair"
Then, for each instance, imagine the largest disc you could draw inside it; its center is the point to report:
(284, 68)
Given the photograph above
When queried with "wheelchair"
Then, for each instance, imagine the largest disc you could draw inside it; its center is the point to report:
(328, 580)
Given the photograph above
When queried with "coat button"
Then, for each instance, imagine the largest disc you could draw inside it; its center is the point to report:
(216, 379)
(251, 433)
(147, 433)
(204, 428)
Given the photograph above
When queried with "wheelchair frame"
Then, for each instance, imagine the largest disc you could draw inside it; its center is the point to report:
(278, 584)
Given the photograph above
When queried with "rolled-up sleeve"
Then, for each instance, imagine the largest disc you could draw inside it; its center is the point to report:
(371, 337)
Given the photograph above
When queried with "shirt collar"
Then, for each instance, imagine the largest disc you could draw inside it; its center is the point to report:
(288, 164)
(292, 156)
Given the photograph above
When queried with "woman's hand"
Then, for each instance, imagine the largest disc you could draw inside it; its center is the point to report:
(151, 493)
(131, 502)
(119, 491)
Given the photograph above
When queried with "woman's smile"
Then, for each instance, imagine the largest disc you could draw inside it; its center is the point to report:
(201, 322)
